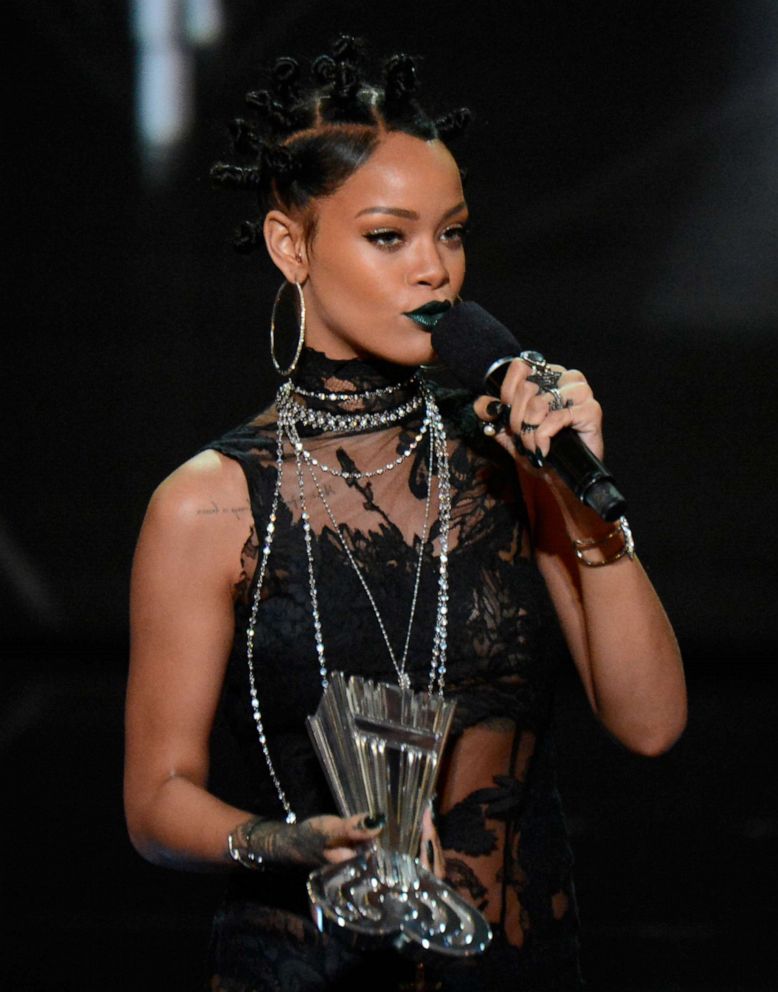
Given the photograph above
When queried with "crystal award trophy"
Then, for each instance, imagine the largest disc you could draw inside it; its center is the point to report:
(380, 747)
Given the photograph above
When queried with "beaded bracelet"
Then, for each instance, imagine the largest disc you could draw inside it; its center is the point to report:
(240, 847)
(627, 548)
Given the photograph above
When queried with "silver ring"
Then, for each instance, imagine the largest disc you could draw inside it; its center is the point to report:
(557, 403)
(528, 428)
(489, 429)
(541, 374)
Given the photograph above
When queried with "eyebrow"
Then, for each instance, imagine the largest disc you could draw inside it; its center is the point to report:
(407, 214)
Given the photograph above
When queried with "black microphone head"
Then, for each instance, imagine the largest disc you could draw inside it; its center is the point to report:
(469, 340)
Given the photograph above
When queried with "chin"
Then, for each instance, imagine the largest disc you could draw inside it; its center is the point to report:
(415, 350)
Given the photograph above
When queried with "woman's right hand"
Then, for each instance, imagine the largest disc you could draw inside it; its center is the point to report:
(314, 842)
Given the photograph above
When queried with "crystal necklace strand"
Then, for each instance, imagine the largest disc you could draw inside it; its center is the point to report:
(439, 443)
(300, 449)
(403, 679)
(262, 568)
(367, 394)
(439, 455)
(326, 420)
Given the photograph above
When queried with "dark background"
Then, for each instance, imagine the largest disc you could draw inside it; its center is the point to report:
(623, 182)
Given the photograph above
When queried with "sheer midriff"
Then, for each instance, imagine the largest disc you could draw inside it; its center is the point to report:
(498, 813)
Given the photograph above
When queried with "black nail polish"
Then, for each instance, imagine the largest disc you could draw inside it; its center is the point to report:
(430, 854)
(536, 457)
(374, 821)
(503, 418)
(493, 408)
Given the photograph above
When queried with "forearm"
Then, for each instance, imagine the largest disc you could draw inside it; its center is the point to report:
(618, 632)
(182, 825)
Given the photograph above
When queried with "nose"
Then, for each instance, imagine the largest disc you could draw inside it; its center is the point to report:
(429, 268)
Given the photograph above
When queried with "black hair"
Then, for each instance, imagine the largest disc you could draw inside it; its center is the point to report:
(304, 140)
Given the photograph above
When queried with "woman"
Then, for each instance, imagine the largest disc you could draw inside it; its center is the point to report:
(369, 523)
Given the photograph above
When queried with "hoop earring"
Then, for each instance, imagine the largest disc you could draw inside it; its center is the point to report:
(300, 328)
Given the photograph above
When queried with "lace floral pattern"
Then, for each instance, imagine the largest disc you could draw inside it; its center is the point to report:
(499, 815)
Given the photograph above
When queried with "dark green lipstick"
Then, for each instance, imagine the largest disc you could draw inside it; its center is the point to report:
(429, 314)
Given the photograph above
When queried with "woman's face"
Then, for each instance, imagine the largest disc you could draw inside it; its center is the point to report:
(389, 240)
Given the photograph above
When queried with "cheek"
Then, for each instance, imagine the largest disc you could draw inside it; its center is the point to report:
(363, 273)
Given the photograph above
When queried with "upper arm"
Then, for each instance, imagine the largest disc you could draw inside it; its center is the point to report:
(186, 565)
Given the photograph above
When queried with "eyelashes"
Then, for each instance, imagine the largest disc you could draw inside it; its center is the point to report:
(391, 239)
(386, 239)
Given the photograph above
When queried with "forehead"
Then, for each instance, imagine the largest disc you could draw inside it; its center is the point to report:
(404, 172)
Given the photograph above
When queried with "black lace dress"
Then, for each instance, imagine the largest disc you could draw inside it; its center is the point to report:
(499, 815)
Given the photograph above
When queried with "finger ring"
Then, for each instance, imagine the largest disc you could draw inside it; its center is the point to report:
(528, 428)
(557, 403)
(489, 429)
(541, 374)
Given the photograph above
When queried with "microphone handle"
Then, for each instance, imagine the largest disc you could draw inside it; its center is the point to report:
(584, 473)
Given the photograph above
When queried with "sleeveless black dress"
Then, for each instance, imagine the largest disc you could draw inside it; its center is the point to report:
(498, 811)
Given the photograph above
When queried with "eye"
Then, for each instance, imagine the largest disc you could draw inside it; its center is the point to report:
(385, 238)
(455, 234)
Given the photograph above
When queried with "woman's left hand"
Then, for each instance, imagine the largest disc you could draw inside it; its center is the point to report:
(533, 420)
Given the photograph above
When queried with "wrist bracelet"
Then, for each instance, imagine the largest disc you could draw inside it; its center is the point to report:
(239, 847)
(627, 549)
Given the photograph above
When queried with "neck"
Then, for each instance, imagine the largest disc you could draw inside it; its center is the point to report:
(317, 372)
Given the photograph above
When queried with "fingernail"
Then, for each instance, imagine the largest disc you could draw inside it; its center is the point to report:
(536, 457)
(504, 418)
(374, 821)
(430, 854)
(493, 408)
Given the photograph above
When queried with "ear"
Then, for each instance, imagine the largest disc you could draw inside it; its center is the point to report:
(286, 245)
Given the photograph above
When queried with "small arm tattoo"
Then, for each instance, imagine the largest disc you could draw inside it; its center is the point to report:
(214, 509)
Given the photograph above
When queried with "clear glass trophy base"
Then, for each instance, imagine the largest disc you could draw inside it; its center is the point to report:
(405, 907)
(380, 746)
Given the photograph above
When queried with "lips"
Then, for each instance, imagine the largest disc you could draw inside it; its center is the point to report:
(428, 315)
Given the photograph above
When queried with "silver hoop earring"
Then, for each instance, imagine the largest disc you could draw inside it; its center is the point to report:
(300, 316)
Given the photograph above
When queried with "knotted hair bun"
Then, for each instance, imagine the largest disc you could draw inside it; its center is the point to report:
(400, 77)
(245, 140)
(270, 112)
(453, 124)
(343, 88)
(323, 70)
(273, 161)
(235, 176)
(305, 138)
(248, 237)
(341, 84)
(279, 161)
(348, 48)
(285, 75)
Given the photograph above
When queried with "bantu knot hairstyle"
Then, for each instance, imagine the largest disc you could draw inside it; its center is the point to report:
(304, 139)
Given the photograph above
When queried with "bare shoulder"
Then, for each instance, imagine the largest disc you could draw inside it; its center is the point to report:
(209, 488)
(200, 512)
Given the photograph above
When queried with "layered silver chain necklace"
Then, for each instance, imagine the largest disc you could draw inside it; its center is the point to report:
(293, 414)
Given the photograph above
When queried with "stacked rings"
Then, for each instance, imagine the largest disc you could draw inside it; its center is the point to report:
(557, 403)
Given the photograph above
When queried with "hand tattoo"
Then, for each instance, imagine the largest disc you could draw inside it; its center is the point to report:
(285, 845)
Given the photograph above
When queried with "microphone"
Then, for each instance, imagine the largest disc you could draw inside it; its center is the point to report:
(477, 348)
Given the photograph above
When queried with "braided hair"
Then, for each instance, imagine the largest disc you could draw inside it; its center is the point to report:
(304, 141)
